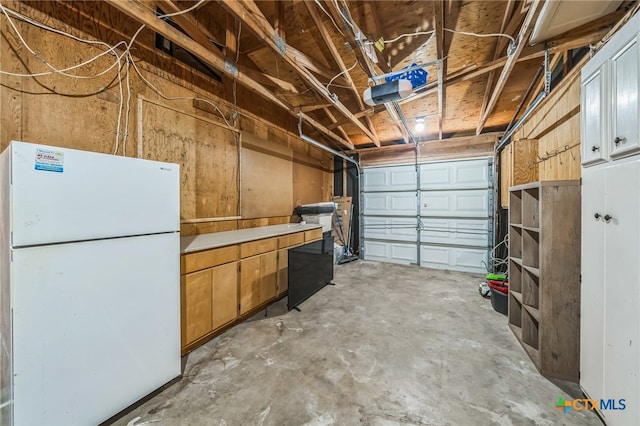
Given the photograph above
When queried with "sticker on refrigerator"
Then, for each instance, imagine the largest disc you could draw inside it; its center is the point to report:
(49, 161)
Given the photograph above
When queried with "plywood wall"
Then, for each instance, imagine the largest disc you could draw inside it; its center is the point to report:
(223, 186)
(547, 144)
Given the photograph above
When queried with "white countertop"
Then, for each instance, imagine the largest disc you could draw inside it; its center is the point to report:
(227, 238)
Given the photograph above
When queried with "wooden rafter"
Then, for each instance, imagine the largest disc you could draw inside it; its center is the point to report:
(311, 8)
(509, 25)
(231, 38)
(190, 27)
(349, 32)
(251, 16)
(333, 119)
(523, 37)
(211, 57)
(385, 65)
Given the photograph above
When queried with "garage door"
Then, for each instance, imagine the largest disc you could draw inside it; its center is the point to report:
(436, 215)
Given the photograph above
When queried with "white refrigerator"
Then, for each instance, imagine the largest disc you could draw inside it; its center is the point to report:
(89, 283)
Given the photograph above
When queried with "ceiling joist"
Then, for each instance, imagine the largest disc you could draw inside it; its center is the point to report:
(212, 57)
(311, 8)
(523, 37)
(250, 15)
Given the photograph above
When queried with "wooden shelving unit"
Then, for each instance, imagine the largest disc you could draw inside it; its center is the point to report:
(544, 275)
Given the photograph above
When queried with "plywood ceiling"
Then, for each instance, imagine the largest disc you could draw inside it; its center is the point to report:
(294, 48)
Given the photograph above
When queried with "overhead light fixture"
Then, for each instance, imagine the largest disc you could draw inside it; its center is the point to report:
(419, 124)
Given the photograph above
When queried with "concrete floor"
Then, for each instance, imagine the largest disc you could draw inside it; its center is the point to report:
(388, 345)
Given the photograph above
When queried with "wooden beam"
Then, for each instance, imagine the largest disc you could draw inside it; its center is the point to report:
(278, 24)
(332, 118)
(385, 66)
(315, 107)
(313, 65)
(231, 38)
(189, 26)
(211, 57)
(349, 32)
(473, 71)
(251, 16)
(311, 8)
(509, 25)
(523, 37)
(438, 24)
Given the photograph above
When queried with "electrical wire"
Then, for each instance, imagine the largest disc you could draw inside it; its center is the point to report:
(177, 98)
(53, 69)
(448, 30)
(339, 74)
(180, 12)
(408, 35)
(481, 35)
(346, 18)
(330, 17)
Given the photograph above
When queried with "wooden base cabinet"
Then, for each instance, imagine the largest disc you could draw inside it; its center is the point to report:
(209, 300)
(258, 280)
(221, 286)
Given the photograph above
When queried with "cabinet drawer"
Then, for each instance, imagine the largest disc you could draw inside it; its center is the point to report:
(314, 234)
(208, 259)
(258, 247)
(291, 240)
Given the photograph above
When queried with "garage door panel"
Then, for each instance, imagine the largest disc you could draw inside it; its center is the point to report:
(454, 258)
(467, 203)
(398, 178)
(391, 228)
(455, 175)
(403, 253)
(390, 204)
(453, 214)
(455, 231)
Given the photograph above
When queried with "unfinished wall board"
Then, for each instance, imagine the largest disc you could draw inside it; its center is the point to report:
(524, 166)
(556, 127)
(267, 172)
(207, 154)
(506, 175)
(312, 177)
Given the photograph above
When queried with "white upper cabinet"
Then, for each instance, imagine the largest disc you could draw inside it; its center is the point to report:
(624, 97)
(609, 112)
(593, 110)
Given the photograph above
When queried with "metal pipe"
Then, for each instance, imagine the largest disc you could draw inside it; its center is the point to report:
(506, 138)
(322, 146)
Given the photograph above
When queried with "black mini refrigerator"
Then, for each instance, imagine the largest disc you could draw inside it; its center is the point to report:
(310, 269)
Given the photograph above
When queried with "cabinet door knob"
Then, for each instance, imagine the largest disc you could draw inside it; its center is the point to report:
(595, 148)
(617, 140)
(607, 218)
(597, 216)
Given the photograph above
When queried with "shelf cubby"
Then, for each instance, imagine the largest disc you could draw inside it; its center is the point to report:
(531, 207)
(515, 275)
(531, 248)
(515, 207)
(515, 241)
(530, 328)
(544, 265)
(515, 310)
(530, 289)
